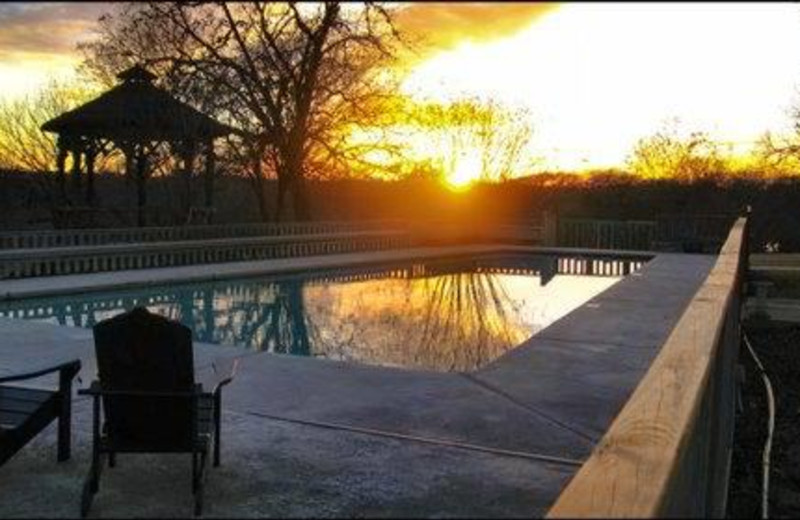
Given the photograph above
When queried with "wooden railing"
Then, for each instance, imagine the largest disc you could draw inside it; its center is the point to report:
(668, 451)
(687, 233)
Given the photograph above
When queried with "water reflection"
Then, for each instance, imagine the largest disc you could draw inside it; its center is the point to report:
(446, 316)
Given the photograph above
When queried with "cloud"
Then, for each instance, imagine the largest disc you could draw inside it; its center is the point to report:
(43, 35)
(35, 30)
(30, 28)
(443, 25)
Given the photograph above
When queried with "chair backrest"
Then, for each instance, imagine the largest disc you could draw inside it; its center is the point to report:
(139, 351)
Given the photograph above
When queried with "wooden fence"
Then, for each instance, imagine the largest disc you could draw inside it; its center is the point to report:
(668, 451)
(95, 237)
(698, 233)
(684, 233)
(606, 234)
(113, 257)
(76, 251)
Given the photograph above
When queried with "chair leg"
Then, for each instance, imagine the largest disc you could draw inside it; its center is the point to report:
(216, 448)
(217, 428)
(198, 501)
(64, 428)
(198, 495)
(97, 467)
(112, 459)
(86, 498)
(91, 485)
(194, 473)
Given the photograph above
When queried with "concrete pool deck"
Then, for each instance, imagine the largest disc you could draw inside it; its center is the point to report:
(308, 437)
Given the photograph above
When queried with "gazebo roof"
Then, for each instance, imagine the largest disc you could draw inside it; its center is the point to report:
(137, 110)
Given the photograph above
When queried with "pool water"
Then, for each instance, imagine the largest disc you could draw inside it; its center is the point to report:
(444, 315)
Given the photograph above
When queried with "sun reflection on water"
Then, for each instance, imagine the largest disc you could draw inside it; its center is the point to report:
(425, 316)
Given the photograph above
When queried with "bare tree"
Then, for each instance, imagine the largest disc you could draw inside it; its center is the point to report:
(495, 136)
(23, 145)
(780, 154)
(667, 153)
(293, 76)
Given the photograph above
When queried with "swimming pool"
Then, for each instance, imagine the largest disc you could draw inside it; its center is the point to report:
(445, 314)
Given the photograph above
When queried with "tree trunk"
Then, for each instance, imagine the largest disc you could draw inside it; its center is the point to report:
(294, 182)
(302, 211)
(283, 187)
(259, 185)
(263, 201)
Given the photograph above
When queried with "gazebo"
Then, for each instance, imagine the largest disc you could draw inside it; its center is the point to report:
(135, 117)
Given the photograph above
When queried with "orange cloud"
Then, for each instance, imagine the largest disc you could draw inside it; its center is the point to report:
(442, 25)
(31, 30)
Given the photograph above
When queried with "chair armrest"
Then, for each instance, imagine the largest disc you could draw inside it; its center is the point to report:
(68, 370)
(95, 390)
(225, 378)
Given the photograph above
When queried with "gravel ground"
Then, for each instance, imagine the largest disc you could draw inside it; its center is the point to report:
(778, 347)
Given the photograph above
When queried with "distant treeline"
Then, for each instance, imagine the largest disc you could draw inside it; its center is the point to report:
(775, 202)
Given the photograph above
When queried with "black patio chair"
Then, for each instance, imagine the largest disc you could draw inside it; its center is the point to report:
(151, 403)
(24, 412)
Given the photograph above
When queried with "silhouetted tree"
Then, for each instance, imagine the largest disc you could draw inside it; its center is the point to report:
(780, 154)
(23, 145)
(495, 137)
(667, 153)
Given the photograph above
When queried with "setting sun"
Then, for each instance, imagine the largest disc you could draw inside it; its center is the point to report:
(467, 170)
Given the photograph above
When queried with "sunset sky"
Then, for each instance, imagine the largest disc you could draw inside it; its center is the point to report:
(595, 76)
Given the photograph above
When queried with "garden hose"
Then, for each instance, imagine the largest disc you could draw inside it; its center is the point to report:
(770, 430)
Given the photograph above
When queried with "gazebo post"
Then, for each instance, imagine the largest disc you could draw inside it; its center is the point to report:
(91, 155)
(209, 176)
(188, 150)
(76, 171)
(127, 152)
(61, 176)
(141, 191)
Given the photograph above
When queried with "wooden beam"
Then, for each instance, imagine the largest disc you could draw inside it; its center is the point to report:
(668, 451)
